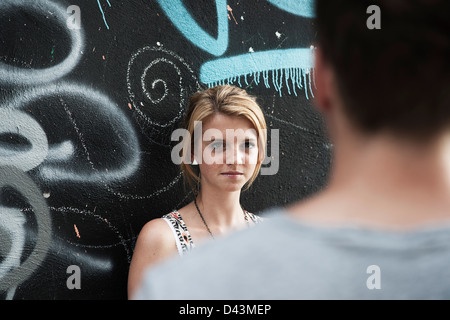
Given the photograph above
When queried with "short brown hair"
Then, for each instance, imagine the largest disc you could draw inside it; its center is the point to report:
(395, 78)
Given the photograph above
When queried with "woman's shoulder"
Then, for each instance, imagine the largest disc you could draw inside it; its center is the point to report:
(155, 230)
(174, 214)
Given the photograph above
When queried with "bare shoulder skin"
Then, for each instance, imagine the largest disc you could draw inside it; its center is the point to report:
(154, 244)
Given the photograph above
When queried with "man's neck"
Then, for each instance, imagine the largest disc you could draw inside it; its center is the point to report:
(380, 181)
(393, 167)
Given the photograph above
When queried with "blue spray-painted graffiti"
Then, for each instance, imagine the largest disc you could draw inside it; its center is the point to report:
(103, 13)
(304, 8)
(288, 65)
(184, 22)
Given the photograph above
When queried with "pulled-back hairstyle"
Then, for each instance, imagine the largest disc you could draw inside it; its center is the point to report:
(228, 100)
(396, 78)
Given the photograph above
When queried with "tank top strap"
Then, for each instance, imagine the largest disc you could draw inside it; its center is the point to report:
(253, 217)
(182, 236)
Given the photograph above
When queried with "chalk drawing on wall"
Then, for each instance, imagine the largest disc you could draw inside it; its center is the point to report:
(100, 221)
(129, 196)
(14, 75)
(159, 84)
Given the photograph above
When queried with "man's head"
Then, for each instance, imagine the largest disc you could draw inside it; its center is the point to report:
(394, 79)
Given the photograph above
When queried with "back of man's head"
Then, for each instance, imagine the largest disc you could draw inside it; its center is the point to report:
(394, 78)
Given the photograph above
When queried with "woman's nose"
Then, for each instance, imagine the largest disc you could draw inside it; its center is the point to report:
(234, 155)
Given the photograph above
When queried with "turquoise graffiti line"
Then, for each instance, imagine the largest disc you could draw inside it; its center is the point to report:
(103, 13)
(186, 24)
(304, 8)
(289, 68)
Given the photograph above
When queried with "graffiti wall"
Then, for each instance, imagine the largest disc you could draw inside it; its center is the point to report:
(90, 92)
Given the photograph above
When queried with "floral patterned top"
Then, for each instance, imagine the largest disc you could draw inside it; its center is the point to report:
(182, 236)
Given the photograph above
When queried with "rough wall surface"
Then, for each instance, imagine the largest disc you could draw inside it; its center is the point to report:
(90, 92)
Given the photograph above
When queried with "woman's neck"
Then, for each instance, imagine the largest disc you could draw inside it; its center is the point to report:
(221, 210)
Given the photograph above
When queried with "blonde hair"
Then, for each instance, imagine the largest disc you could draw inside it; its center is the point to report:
(228, 100)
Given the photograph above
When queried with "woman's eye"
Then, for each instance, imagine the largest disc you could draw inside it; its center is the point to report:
(249, 145)
(217, 146)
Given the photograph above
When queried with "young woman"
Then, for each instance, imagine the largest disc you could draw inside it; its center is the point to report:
(223, 148)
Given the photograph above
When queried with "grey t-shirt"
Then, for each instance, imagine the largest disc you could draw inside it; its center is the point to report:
(283, 258)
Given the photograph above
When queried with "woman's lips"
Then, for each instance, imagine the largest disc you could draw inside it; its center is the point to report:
(232, 174)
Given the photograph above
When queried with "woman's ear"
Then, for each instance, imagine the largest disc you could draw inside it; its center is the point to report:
(193, 160)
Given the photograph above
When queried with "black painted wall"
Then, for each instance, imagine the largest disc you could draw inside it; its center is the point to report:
(89, 97)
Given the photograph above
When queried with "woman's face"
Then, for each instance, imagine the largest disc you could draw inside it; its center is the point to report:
(229, 152)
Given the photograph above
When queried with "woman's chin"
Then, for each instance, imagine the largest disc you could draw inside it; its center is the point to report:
(232, 186)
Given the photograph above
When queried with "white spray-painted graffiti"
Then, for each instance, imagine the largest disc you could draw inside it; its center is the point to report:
(12, 270)
(51, 162)
(10, 74)
(54, 160)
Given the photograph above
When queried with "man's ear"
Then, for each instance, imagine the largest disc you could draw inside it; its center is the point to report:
(323, 79)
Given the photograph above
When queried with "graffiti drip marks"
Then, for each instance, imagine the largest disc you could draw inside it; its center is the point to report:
(290, 68)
